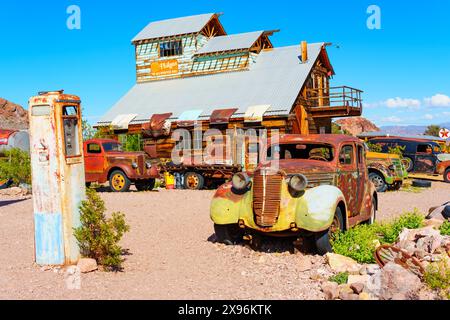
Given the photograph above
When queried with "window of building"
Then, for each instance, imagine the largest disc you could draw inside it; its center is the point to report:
(171, 48)
(346, 155)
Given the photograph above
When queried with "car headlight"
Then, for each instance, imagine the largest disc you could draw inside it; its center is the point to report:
(298, 183)
(148, 165)
(241, 181)
(134, 165)
(392, 167)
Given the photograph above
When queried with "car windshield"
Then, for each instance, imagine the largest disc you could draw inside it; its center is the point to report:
(305, 151)
(112, 146)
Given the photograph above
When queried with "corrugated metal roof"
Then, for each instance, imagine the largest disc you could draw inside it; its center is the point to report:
(231, 42)
(275, 79)
(173, 27)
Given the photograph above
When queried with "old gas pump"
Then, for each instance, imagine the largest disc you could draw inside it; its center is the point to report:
(57, 175)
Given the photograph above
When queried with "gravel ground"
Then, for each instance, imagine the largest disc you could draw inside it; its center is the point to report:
(173, 254)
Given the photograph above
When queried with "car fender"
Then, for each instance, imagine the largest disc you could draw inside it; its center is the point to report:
(386, 173)
(442, 167)
(316, 208)
(126, 169)
(227, 206)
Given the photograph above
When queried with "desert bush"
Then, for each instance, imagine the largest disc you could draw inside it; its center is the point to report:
(340, 278)
(98, 237)
(374, 147)
(445, 228)
(391, 231)
(16, 165)
(398, 150)
(437, 276)
(360, 242)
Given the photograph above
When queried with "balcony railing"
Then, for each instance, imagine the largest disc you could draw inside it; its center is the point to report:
(335, 101)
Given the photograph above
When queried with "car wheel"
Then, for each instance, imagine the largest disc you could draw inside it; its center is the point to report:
(323, 240)
(119, 182)
(447, 175)
(378, 180)
(446, 212)
(408, 163)
(194, 181)
(229, 234)
(421, 184)
(145, 185)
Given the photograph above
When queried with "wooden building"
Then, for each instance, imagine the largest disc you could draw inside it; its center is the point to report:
(189, 69)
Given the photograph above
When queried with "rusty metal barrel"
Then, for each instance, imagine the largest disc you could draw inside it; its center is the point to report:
(10, 139)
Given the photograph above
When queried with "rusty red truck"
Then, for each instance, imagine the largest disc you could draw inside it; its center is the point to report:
(105, 161)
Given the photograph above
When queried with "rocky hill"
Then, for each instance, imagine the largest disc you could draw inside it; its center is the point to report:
(12, 116)
(357, 125)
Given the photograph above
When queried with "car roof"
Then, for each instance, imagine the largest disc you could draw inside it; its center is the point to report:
(101, 141)
(404, 139)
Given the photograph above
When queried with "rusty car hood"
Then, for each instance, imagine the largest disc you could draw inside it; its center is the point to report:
(120, 154)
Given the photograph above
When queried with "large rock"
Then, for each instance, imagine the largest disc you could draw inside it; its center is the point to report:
(394, 282)
(331, 290)
(339, 263)
(357, 125)
(87, 265)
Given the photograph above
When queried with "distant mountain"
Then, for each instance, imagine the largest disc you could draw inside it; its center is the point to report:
(12, 116)
(409, 130)
(357, 125)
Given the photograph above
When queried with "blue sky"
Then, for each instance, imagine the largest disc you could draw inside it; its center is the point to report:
(404, 68)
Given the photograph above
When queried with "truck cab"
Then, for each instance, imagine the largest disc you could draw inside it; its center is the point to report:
(105, 161)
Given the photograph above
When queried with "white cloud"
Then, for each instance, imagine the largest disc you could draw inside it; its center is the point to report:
(392, 119)
(429, 116)
(402, 103)
(438, 100)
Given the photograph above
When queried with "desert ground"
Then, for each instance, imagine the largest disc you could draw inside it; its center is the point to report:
(173, 254)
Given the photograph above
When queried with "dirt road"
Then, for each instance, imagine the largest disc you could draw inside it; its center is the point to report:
(173, 254)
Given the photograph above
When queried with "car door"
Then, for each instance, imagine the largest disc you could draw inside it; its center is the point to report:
(363, 178)
(348, 176)
(94, 161)
(425, 161)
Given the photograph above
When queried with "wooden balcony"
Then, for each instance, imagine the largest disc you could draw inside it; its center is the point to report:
(334, 102)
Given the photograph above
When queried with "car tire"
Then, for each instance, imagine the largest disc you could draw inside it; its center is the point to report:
(408, 163)
(145, 185)
(447, 175)
(378, 181)
(4, 184)
(446, 212)
(323, 239)
(194, 181)
(119, 182)
(421, 184)
(229, 234)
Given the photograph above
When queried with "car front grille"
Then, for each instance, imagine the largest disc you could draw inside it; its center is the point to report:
(266, 198)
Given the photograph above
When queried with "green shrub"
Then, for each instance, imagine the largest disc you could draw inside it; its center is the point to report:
(132, 142)
(437, 276)
(391, 231)
(340, 278)
(398, 150)
(445, 228)
(97, 236)
(358, 243)
(374, 147)
(16, 165)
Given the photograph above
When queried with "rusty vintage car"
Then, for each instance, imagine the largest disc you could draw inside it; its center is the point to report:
(105, 161)
(386, 171)
(422, 156)
(320, 186)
